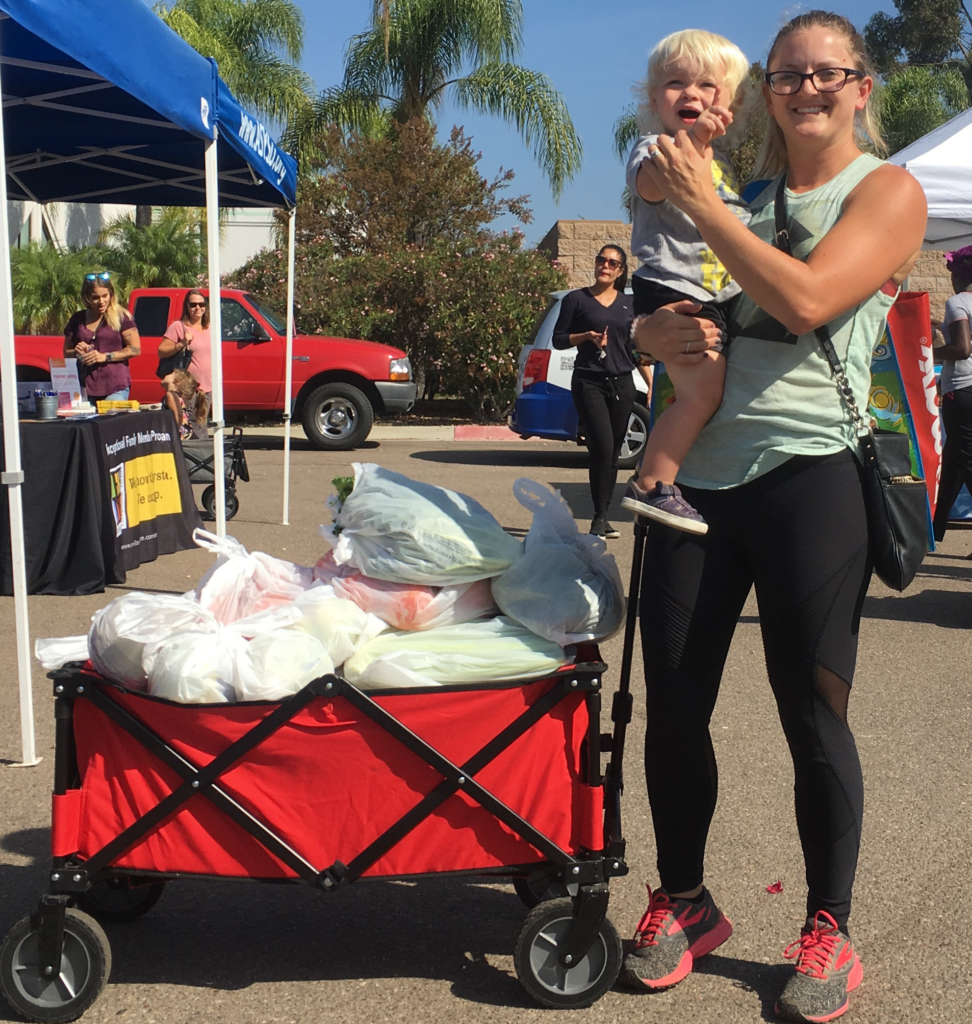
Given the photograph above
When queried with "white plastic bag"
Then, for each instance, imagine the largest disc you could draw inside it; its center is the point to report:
(279, 664)
(493, 649)
(340, 625)
(193, 668)
(242, 583)
(56, 651)
(414, 607)
(566, 587)
(121, 629)
(405, 531)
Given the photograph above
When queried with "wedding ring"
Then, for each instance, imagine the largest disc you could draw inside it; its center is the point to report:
(687, 347)
(652, 153)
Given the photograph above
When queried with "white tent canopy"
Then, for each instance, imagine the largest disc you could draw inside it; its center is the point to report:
(942, 163)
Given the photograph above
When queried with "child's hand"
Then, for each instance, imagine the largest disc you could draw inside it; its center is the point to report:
(710, 124)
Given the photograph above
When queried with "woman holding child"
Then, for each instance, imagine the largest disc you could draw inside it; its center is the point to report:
(774, 477)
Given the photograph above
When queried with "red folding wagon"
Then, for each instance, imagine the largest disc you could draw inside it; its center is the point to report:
(330, 786)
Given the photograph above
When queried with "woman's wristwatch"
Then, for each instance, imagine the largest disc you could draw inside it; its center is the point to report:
(642, 358)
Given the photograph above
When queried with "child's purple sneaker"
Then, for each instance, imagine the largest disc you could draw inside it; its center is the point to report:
(663, 503)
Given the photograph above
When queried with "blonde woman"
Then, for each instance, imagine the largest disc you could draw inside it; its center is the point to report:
(775, 475)
(102, 337)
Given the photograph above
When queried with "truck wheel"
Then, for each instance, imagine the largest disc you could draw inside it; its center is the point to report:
(635, 438)
(337, 417)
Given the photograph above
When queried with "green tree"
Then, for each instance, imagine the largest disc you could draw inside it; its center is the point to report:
(403, 68)
(400, 189)
(922, 32)
(257, 45)
(47, 285)
(168, 253)
(916, 100)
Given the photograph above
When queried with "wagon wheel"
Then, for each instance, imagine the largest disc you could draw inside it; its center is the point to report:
(549, 981)
(85, 965)
(208, 499)
(119, 899)
(537, 888)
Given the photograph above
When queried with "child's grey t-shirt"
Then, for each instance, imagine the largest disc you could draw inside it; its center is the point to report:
(668, 244)
(957, 373)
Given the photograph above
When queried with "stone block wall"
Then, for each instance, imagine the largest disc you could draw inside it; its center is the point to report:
(575, 243)
(929, 275)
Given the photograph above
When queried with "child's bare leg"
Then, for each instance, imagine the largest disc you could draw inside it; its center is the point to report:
(698, 392)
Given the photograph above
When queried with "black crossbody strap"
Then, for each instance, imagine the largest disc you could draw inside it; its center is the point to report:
(782, 241)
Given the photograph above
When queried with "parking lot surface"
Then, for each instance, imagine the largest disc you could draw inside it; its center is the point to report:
(440, 949)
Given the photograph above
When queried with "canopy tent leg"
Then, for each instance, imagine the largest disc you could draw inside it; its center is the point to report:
(289, 358)
(13, 477)
(215, 329)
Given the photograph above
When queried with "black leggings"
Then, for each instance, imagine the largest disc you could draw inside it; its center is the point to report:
(799, 534)
(957, 456)
(604, 407)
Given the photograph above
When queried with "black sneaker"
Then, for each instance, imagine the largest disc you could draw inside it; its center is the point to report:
(827, 968)
(600, 527)
(670, 937)
(664, 503)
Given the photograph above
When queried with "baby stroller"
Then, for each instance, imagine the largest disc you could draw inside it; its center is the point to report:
(199, 462)
(499, 779)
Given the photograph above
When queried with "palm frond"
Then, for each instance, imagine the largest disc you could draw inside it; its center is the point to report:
(528, 101)
(625, 131)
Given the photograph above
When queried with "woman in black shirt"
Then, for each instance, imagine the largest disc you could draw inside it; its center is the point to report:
(596, 320)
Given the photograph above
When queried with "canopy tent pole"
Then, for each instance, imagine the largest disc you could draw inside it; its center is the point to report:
(289, 359)
(215, 328)
(13, 477)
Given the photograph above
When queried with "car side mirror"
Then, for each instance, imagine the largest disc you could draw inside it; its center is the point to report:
(259, 333)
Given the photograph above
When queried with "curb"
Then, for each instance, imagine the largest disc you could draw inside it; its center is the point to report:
(445, 432)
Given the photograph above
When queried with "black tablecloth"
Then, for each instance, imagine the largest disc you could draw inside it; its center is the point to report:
(100, 497)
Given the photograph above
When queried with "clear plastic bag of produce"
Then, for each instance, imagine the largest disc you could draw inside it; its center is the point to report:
(279, 664)
(566, 587)
(412, 607)
(493, 649)
(340, 625)
(194, 668)
(242, 583)
(405, 531)
(120, 631)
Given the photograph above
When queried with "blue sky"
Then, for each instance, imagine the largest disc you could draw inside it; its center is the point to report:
(593, 53)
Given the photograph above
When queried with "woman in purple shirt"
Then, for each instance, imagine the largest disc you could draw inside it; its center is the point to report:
(103, 337)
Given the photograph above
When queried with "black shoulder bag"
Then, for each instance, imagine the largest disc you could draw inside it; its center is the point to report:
(895, 501)
(177, 361)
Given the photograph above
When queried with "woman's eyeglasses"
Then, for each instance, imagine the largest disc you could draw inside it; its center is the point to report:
(607, 261)
(788, 83)
(197, 305)
(103, 276)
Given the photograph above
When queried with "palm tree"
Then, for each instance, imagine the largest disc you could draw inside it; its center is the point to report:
(47, 285)
(256, 43)
(168, 253)
(419, 51)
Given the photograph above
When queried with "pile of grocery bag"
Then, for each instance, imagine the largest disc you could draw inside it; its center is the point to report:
(421, 587)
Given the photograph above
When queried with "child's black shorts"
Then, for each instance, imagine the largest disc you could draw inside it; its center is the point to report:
(649, 296)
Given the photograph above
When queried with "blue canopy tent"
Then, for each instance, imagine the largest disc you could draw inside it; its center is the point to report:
(129, 113)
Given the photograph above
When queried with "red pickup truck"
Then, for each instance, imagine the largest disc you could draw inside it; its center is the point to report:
(339, 384)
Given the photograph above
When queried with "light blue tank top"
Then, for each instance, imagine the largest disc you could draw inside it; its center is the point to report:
(780, 398)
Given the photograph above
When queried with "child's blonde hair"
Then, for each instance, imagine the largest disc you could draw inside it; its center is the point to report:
(707, 53)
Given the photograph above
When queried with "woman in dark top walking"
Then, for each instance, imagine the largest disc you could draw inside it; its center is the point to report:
(595, 321)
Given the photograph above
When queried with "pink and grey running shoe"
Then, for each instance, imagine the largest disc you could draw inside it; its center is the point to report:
(670, 937)
(827, 968)
(664, 504)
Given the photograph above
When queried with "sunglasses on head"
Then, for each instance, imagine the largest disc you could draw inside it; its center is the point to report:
(612, 263)
(103, 276)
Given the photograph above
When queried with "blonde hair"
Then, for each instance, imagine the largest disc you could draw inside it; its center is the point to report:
(708, 54)
(115, 311)
(772, 159)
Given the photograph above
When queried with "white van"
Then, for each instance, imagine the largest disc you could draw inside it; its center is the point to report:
(544, 406)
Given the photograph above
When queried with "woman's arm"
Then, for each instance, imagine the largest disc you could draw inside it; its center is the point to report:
(170, 345)
(881, 228)
(673, 335)
(959, 344)
(131, 348)
(562, 338)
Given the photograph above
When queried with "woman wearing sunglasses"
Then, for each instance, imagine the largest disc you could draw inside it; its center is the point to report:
(102, 337)
(190, 334)
(595, 320)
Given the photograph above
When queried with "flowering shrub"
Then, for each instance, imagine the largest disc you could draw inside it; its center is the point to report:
(461, 314)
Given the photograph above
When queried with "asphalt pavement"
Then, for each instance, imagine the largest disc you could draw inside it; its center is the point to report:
(434, 950)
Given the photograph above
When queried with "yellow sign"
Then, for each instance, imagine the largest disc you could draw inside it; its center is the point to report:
(151, 488)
